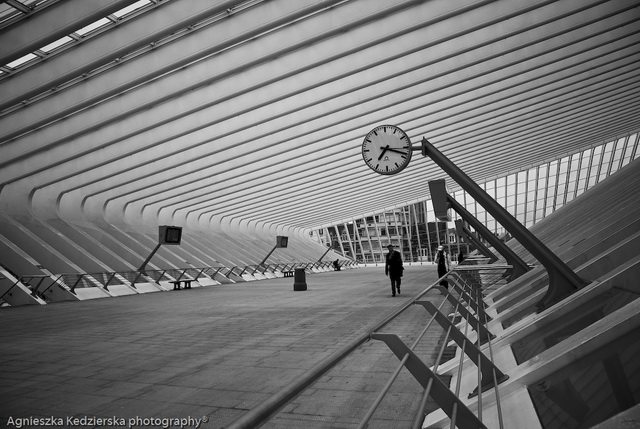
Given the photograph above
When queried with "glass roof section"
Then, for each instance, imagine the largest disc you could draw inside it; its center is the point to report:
(93, 26)
(8, 11)
(22, 60)
(53, 45)
(131, 8)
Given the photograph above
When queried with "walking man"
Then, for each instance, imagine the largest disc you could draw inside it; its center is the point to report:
(393, 268)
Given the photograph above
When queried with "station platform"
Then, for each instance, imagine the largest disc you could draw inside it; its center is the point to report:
(209, 354)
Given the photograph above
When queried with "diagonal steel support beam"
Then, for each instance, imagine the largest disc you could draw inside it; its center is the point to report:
(519, 266)
(450, 403)
(464, 231)
(563, 281)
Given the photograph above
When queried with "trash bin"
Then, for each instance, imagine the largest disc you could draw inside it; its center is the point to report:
(299, 279)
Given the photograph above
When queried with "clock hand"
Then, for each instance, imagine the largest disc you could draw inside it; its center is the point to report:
(396, 151)
(384, 149)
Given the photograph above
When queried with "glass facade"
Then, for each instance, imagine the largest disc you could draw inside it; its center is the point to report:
(530, 195)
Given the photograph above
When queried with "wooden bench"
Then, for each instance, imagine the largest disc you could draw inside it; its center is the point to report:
(176, 284)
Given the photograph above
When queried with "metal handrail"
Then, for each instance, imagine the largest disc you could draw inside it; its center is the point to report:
(105, 279)
(267, 409)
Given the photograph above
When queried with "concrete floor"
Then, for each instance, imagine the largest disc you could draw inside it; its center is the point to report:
(213, 353)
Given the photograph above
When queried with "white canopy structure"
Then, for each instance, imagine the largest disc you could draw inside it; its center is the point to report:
(219, 114)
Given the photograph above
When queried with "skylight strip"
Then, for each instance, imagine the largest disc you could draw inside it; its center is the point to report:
(93, 26)
(131, 8)
(17, 63)
(56, 44)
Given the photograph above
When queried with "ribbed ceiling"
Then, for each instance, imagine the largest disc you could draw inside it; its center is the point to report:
(225, 111)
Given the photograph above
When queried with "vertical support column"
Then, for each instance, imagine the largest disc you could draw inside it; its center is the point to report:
(379, 236)
(351, 246)
(406, 223)
(366, 230)
(417, 229)
(426, 226)
(339, 238)
(562, 280)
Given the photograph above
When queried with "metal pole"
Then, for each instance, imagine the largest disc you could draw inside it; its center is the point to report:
(324, 254)
(563, 281)
(153, 252)
(268, 254)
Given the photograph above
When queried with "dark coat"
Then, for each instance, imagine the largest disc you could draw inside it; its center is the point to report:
(442, 260)
(393, 266)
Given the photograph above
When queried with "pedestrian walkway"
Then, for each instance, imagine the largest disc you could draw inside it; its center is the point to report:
(211, 353)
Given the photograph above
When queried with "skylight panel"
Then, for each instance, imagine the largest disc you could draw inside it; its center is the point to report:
(51, 46)
(132, 7)
(93, 26)
(20, 61)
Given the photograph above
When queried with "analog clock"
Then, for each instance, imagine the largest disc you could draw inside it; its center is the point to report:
(386, 149)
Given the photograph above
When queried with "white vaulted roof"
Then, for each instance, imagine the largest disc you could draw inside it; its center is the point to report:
(201, 111)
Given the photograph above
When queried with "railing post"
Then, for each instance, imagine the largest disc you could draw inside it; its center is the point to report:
(111, 278)
(73, 288)
(35, 290)
(470, 349)
(53, 281)
(200, 273)
(135, 279)
(480, 328)
(484, 318)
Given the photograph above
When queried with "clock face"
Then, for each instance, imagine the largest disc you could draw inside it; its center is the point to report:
(386, 149)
